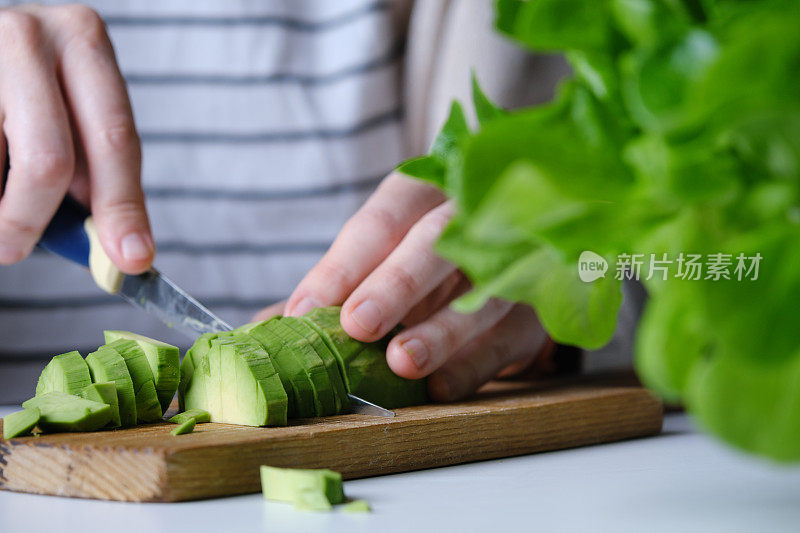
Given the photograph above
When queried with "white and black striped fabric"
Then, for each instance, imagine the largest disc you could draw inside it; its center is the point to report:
(264, 125)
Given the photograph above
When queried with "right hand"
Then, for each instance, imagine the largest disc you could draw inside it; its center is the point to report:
(68, 125)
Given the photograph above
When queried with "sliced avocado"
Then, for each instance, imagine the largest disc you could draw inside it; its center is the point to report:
(368, 374)
(148, 409)
(302, 328)
(325, 320)
(185, 427)
(104, 393)
(198, 415)
(356, 506)
(20, 423)
(196, 352)
(295, 380)
(164, 360)
(105, 365)
(294, 485)
(239, 384)
(64, 373)
(371, 379)
(324, 402)
(64, 412)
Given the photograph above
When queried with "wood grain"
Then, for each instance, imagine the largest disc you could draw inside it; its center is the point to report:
(146, 463)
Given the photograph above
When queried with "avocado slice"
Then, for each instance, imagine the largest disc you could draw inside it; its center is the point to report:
(20, 423)
(64, 373)
(104, 393)
(185, 427)
(356, 506)
(371, 379)
(196, 353)
(295, 485)
(295, 380)
(106, 364)
(198, 415)
(302, 328)
(237, 384)
(148, 408)
(164, 360)
(65, 412)
(325, 321)
(324, 402)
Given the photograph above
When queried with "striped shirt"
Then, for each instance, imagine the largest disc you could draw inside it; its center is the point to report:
(264, 125)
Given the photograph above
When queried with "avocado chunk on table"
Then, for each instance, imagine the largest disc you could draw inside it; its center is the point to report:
(105, 365)
(148, 408)
(67, 372)
(65, 412)
(20, 423)
(295, 485)
(104, 393)
(164, 360)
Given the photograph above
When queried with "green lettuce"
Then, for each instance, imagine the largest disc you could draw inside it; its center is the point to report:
(678, 132)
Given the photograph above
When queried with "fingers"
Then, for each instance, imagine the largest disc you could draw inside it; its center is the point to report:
(419, 350)
(364, 242)
(516, 340)
(95, 91)
(36, 125)
(400, 282)
(270, 311)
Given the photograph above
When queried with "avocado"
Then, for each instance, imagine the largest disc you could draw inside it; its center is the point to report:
(312, 500)
(295, 380)
(295, 485)
(64, 373)
(356, 506)
(164, 360)
(104, 393)
(20, 423)
(185, 427)
(325, 321)
(106, 364)
(236, 383)
(195, 353)
(198, 415)
(324, 402)
(64, 412)
(148, 409)
(367, 375)
(371, 379)
(302, 328)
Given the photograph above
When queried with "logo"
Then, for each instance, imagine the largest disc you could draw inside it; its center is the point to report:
(591, 266)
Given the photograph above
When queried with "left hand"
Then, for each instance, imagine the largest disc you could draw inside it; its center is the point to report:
(383, 270)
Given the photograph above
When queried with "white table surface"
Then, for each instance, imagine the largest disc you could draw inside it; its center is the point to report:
(679, 481)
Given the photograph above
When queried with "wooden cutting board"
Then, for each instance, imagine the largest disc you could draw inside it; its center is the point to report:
(147, 463)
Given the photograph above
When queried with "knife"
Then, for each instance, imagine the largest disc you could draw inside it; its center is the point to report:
(70, 234)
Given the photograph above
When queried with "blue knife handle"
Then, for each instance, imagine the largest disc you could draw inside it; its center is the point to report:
(65, 235)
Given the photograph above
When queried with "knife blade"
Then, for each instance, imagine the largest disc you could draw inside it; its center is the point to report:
(159, 296)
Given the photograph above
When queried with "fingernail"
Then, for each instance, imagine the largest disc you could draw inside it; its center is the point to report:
(368, 315)
(417, 352)
(135, 247)
(9, 254)
(305, 305)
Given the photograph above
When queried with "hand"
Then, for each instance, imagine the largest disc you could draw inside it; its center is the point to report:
(383, 270)
(68, 125)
